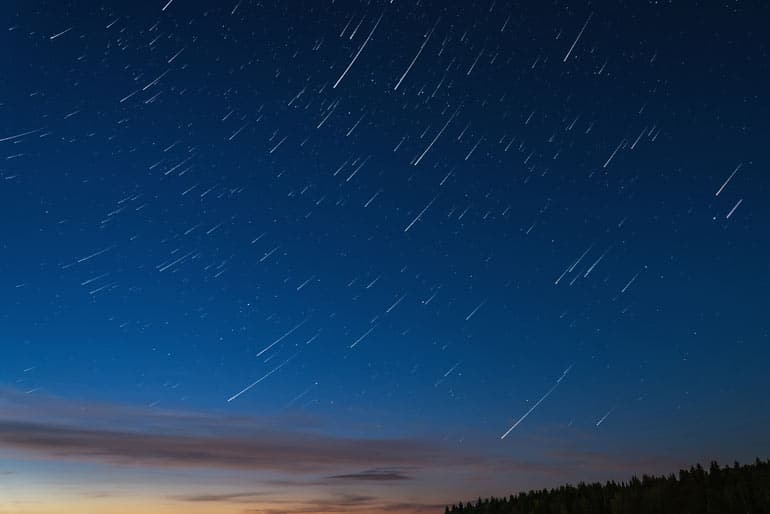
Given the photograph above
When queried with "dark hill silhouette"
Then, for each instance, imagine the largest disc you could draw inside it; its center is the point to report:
(718, 490)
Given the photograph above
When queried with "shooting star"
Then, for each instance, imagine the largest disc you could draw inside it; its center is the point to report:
(578, 37)
(604, 417)
(17, 136)
(416, 218)
(362, 337)
(542, 398)
(287, 334)
(247, 388)
(355, 57)
(724, 185)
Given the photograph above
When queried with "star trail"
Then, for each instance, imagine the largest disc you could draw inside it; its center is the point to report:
(376, 255)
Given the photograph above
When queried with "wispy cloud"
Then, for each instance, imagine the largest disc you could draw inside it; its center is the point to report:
(263, 450)
(241, 497)
(343, 503)
(296, 448)
(374, 475)
(338, 502)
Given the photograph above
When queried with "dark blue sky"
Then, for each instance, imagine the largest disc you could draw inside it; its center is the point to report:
(404, 220)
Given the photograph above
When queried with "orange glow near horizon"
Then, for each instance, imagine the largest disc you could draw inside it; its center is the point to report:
(132, 505)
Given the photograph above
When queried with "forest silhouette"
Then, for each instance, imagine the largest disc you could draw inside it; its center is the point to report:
(743, 489)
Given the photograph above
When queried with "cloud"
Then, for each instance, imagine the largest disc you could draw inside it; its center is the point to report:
(358, 507)
(414, 507)
(261, 451)
(242, 497)
(295, 450)
(335, 503)
(344, 503)
(374, 475)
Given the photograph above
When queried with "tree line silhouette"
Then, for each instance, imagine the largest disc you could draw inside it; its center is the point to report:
(720, 490)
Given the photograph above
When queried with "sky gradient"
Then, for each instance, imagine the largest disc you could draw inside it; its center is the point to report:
(376, 256)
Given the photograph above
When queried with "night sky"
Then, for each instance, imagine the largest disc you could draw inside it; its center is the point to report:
(376, 256)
